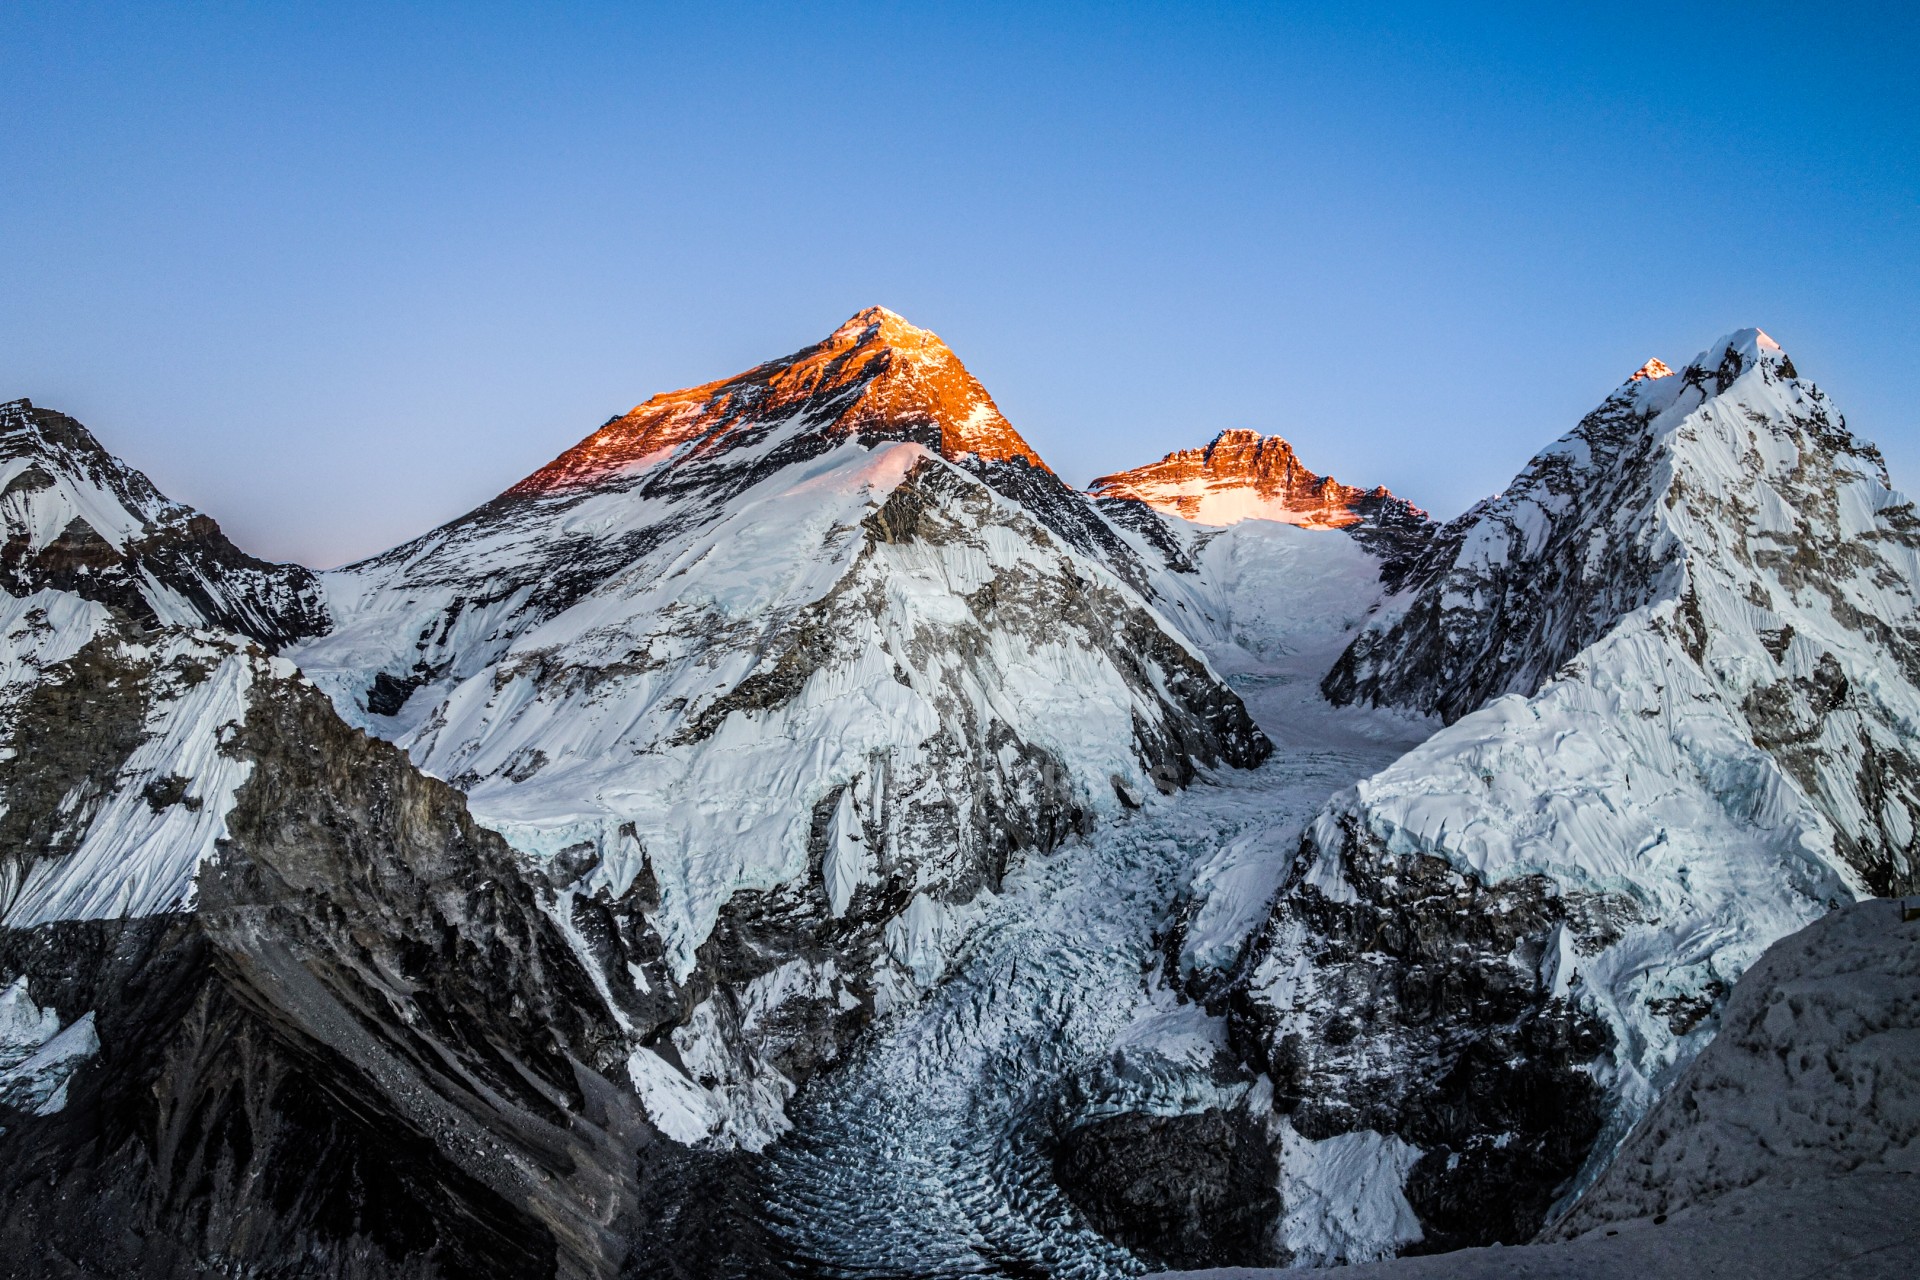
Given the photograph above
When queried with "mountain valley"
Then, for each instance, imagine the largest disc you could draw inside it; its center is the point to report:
(796, 833)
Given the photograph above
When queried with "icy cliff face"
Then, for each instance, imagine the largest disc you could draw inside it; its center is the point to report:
(1701, 605)
(774, 672)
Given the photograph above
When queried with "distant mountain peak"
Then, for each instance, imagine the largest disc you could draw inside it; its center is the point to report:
(876, 376)
(1655, 368)
(1240, 475)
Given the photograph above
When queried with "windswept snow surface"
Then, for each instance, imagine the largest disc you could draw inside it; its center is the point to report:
(930, 1153)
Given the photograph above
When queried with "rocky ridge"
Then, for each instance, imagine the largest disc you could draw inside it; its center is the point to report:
(1243, 475)
(79, 520)
(273, 1001)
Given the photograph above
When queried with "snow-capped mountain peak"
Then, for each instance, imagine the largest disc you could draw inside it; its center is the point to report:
(1654, 368)
(874, 377)
(1243, 475)
(75, 518)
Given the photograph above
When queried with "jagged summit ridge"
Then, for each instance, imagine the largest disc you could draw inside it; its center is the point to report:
(874, 377)
(75, 518)
(1243, 475)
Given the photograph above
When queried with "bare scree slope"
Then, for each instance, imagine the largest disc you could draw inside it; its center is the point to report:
(794, 832)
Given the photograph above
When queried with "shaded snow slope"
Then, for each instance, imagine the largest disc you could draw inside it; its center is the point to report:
(1499, 948)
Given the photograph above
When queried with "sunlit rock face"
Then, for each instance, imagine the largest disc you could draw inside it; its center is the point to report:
(1243, 475)
(876, 375)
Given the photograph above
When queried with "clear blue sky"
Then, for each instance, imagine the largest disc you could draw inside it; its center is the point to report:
(335, 273)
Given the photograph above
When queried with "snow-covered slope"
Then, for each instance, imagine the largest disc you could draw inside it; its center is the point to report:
(1728, 516)
(1497, 949)
(130, 634)
(780, 643)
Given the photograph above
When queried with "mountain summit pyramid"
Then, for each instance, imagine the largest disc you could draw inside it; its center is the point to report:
(875, 377)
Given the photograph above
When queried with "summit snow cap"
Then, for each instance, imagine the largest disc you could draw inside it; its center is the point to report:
(874, 377)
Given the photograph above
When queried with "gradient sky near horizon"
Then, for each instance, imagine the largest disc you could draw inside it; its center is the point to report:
(336, 273)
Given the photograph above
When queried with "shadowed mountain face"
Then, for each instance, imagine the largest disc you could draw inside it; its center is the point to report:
(78, 519)
(793, 833)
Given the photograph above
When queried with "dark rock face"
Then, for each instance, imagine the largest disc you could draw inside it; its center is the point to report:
(368, 1052)
(201, 1137)
(1400, 1009)
(1482, 624)
(170, 549)
(1182, 1191)
(74, 730)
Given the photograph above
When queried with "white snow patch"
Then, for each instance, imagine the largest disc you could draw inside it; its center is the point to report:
(1344, 1198)
(38, 1056)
